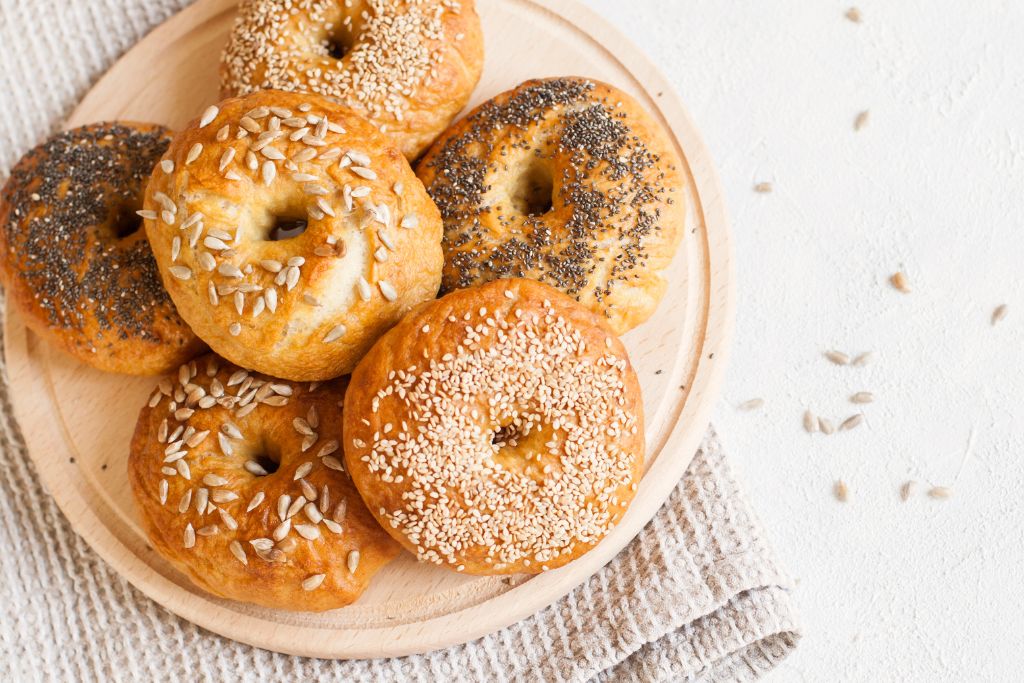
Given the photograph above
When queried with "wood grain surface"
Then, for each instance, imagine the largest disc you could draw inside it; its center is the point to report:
(77, 422)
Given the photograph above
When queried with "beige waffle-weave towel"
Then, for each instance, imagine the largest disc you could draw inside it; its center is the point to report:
(697, 595)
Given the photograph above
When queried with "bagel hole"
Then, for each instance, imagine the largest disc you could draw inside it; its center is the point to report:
(286, 228)
(124, 221)
(339, 43)
(505, 436)
(267, 462)
(533, 193)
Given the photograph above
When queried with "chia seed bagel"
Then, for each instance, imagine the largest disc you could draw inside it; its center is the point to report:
(74, 259)
(567, 181)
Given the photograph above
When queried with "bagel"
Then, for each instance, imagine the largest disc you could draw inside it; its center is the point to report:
(291, 233)
(239, 486)
(73, 259)
(497, 430)
(567, 181)
(407, 65)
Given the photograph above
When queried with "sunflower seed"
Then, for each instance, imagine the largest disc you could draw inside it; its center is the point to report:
(296, 505)
(387, 290)
(352, 561)
(312, 513)
(303, 469)
(863, 359)
(826, 426)
(193, 153)
(339, 511)
(282, 529)
(861, 120)
(332, 463)
(940, 492)
(268, 172)
(190, 536)
(899, 281)
(185, 501)
(254, 468)
(307, 531)
(180, 272)
(163, 491)
(263, 544)
(183, 469)
(223, 496)
(311, 583)
(202, 500)
(214, 480)
(238, 551)
(838, 357)
(862, 397)
(851, 422)
(255, 502)
(282, 506)
(328, 448)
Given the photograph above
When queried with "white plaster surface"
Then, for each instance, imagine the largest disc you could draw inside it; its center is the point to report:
(934, 185)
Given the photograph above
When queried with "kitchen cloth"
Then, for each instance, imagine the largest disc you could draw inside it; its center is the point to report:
(698, 595)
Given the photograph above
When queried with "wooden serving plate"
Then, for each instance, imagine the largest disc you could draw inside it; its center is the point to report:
(77, 422)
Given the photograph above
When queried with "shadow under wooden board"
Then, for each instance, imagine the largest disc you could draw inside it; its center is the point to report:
(77, 422)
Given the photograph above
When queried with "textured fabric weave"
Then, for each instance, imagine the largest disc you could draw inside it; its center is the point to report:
(697, 595)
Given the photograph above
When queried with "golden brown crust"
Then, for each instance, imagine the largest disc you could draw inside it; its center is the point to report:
(206, 508)
(79, 281)
(408, 65)
(567, 181)
(496, 430)
(307, 307)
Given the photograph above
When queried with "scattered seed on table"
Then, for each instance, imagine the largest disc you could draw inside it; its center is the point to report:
(825, 425)
(999, 313)
(899, 281)
(810, 422)
(862, 397)
(853, 14)
(851, 422)
(940, 492)
(763, 188)
(752, 404)
(861, 120)
(841, 491)
(906, 490)
(863, 359)
(838, 357)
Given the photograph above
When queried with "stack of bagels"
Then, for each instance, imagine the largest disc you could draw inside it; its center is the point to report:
(359, 355)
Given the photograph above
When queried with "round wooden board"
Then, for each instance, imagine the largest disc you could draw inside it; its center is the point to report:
(79, 441)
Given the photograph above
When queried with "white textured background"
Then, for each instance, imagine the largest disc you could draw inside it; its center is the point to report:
(922, 590)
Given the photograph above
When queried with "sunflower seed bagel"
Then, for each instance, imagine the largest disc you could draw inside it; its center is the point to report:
(73, 257)
(240, 485)
(496, 430)
(564, 180)
(290, 233)
(408, 66)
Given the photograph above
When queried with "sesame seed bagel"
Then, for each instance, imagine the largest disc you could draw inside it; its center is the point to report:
(497, 430)
(567, 181)
(407, 65)
(239, 486)
(73, 259)
(291, 233)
